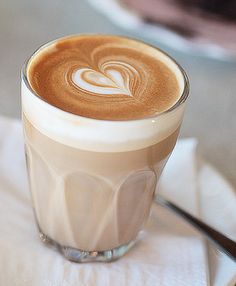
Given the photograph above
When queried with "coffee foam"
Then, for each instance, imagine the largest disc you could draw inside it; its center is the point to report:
(110, 81)
(105, 77)
(97, 135)
(101, 135)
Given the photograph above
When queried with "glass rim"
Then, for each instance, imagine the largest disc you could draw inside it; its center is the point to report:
(180, 101)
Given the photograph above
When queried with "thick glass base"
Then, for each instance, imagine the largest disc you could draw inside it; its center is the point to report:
(78, 255)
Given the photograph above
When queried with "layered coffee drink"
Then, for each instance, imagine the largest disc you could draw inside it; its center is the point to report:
(101, 116)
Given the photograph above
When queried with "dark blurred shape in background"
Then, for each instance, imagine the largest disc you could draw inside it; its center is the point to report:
(222, 8)
(198, 22)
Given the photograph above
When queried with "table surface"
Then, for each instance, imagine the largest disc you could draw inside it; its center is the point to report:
(211, 112)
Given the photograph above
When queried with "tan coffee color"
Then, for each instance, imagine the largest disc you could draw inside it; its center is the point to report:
(92, 181)
(104, 77)
(92, 201)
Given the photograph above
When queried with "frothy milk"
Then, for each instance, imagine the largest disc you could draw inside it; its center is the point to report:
(105, 77)
(101, 116)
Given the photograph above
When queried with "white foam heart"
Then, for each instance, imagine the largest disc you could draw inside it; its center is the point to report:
(110, 81)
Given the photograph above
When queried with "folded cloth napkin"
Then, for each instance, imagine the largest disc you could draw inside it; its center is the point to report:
(169, 252)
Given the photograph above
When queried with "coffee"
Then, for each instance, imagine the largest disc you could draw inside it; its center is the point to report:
(92, 181)
(105, 77)
(85, 199)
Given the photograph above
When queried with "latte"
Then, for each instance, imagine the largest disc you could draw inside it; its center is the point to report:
(101, 115)
(93, 201)
(105, 77)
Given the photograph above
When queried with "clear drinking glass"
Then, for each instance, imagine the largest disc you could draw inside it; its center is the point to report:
(90, 199)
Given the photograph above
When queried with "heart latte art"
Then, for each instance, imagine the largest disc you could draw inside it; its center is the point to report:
(104, 77)
(113, 78)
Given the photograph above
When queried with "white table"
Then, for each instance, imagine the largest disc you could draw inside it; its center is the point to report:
(211, 114)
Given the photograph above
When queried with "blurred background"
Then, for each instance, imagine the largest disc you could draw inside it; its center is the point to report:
(208, 58)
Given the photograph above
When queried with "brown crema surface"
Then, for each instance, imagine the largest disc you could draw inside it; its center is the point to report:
(103, 77)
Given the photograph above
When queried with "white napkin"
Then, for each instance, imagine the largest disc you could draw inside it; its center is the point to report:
(169, 252)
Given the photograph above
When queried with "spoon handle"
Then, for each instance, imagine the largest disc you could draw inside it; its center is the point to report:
(222, 242)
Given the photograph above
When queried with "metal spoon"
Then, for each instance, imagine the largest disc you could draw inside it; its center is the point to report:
(222, 242)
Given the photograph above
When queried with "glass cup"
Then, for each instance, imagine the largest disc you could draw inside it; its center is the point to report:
(91, 198)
